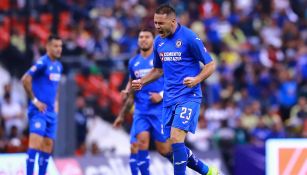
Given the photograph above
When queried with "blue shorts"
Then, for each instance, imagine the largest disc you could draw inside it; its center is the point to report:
(183, 116)
(44, 124)
(150, 123)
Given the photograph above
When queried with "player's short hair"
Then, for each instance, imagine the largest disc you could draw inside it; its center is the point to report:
(165, 9)
(148, 30)
(53, 37)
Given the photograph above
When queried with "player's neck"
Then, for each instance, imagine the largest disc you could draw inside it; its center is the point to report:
(51, 57)
(174, 28)
(145, 54)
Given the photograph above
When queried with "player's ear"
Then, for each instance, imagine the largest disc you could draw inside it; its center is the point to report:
(174, 21)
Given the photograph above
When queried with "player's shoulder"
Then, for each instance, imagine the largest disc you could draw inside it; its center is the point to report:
(134, 58)
(42, 60)
(190, 36)
(157, 40)
(187, 33)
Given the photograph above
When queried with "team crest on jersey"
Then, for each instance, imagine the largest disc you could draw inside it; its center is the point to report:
(178, 43)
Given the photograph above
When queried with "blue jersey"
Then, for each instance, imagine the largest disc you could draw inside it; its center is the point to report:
(138, 68)
(179, 56)
(46, 75)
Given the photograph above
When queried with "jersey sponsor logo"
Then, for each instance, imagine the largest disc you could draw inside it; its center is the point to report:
(55, 77)
(161, 44)
(178, 43)
(161, 56)
(170, 56)
(141, 72)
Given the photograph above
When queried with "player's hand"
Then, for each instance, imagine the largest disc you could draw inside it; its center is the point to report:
(118, 122)
(137, 84)
(124, 94)
(155, 97)
(42, 107)
(190, 81)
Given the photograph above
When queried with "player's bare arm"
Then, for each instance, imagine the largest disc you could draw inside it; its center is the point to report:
(207, 70)
(154, 74)
(56, 105)
(124, 110)
(124, 93)
(27, 84)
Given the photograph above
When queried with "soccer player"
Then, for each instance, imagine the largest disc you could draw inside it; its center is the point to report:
(41, 84)
(177, 53)
(148, 107)
(148, 111)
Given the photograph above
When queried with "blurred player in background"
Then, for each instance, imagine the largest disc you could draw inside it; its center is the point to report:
(177, 53)
(148, 107)
(41, 84)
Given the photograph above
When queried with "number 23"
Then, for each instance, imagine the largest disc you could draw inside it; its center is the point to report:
(186, 111)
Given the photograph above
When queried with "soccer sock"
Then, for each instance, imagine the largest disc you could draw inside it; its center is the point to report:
(180, 158)
(31, 161)
(195, 164)
(143, 162)
(133, 164)
(43, 162)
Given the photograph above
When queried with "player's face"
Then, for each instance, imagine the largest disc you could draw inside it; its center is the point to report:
(145, 40)
(164, 24)
(54, 48)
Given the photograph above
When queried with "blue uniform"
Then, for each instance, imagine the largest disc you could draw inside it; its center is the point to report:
(179, 56)
(147, 115)
(46, 75)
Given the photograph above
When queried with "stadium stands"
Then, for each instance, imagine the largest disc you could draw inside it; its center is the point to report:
(259, 90)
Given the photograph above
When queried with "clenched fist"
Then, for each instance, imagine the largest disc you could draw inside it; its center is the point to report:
(137, 84)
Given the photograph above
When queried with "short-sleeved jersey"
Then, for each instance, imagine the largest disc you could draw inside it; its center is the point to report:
(138, 68)
(179, 56)
(46, 75)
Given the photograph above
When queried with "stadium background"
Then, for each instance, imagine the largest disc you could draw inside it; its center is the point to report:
(258, 91)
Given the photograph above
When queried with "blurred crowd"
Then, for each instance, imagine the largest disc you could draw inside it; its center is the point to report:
(259, 90)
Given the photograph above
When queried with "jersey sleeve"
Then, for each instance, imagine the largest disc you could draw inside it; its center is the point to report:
(131, 73)
(39, 66)
(198, 50)
(157, 63)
